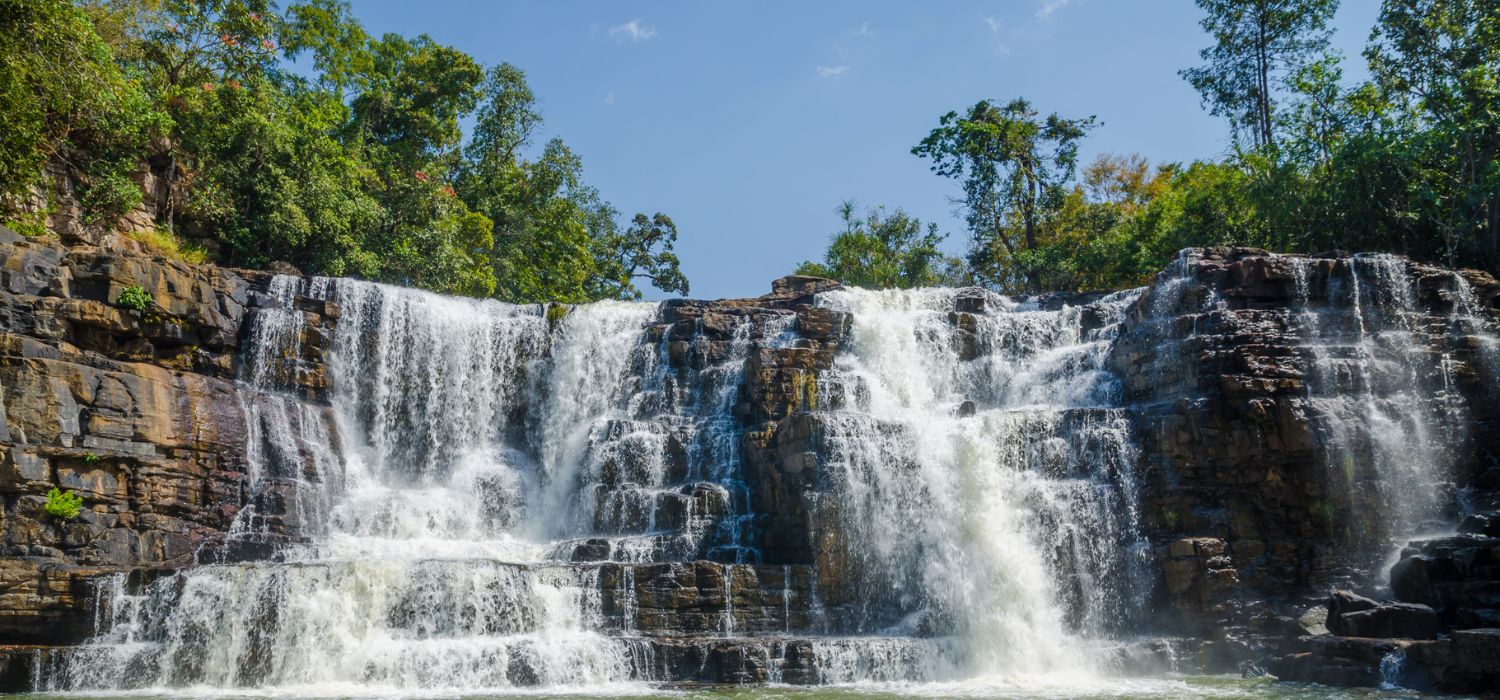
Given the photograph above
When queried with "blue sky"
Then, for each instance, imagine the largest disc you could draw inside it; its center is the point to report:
(749, 122)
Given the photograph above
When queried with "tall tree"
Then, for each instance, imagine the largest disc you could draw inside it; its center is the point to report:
(1257, 44)
(64, 101)
(1013, 166)
(882, 250)
(554, 237)
(644, 250)
(1439, 62)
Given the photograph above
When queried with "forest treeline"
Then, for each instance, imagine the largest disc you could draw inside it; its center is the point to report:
(1403, 162)
(292, 135)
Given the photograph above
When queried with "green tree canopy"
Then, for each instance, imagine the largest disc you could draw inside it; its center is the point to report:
(356, 167)
(1013, 166)
(1257, 45)
(881, 250)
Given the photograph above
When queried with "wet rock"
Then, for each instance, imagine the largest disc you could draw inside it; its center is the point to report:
(1459, 576)
(1199, 575)
(1351, 615)
(798, 288)
(1467, 662)
(1337, 661)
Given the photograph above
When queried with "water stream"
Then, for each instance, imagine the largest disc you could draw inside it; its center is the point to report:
(494, 494)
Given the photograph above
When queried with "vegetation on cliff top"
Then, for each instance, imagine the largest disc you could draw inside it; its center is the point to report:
(1406, 162)
(292, 135)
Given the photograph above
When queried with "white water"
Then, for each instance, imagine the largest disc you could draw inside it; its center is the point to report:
(995, 526)
(1383, 391)
(480, 461)
(426, 574)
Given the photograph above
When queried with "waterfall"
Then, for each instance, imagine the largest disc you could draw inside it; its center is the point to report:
(482, 496)
(488, 458)
(424, 573)
(988, 498)
(1382, 387)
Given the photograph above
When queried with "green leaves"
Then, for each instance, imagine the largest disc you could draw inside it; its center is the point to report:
(1013, 166)
(64, 101)
(63, 504)
(884, 250)
(134, 298)
(358, 169)
(1257, 45)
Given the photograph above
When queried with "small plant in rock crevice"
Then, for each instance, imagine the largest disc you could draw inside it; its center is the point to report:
(134, 298)
(90, 458)
(63, 504)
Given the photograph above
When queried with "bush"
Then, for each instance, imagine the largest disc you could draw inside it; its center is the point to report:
(110, 197)
(63, 504)
(168, 245)
(91, 458)
(134, 298)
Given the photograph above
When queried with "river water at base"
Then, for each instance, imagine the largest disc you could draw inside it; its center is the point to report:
(1029, 687)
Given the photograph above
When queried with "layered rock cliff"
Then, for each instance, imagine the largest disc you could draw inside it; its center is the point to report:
(1246, 444)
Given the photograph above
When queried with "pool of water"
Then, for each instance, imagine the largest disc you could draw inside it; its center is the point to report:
(1227, 687)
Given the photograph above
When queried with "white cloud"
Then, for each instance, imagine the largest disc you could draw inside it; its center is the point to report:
(633, 30)
(864, 29)
(609, 99)
(832, 71)
(1050, 6)
(994, 24)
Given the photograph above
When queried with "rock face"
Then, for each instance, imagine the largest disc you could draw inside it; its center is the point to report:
(1252, 386)
(134, 411)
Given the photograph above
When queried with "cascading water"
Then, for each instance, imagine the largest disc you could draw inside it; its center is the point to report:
(984, 475)
(486, 462)
(1382, 387)
(499, 496)
(425, 576)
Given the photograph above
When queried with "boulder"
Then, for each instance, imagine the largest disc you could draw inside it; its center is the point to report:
(1467, 662)
(1351, 615)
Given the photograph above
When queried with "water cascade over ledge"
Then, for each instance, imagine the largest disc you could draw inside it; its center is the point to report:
(823, 485)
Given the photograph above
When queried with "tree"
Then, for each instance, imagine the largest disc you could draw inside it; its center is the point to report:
(643, 251)
(883, 250)
(1013, 167)
(1257, 43)
(1439, 61)
(554, 237)
(64, 101)
(270, 182)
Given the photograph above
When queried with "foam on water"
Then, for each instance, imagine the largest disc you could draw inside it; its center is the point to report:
(442, 525)
(983, 474)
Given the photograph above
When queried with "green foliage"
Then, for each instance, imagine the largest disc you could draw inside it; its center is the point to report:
(168, 245)
(1013, 166)
(643, 250)
(1256, 46)
(356, 167)
(1408, 162)
(32, 224)
(63, 504)
(64, 101)
(90, 458)
(555, 238)
(134, 298)
(884, 250)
